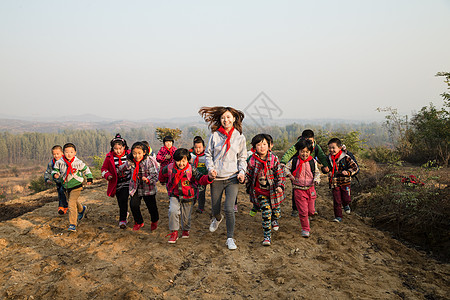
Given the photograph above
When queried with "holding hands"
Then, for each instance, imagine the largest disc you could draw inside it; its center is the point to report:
(212, 174)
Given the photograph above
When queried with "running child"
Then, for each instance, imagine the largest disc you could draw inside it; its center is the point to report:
(198, 161)
(317, 153)
(144, 175)
(165, 154)
(69, 172)
(118, 182)
(57, 153)
(181, 177)
(265, 183)
(304, 173)
(340, 177)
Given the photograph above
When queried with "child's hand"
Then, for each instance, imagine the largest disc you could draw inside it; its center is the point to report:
(88, 183)
(326, 169)
(145, 179)
(316, 183)
(241, 177)
(56, 176)
(212, 175)
(109, 177)
(279, 189)
(346, 173)
(291, 177)
(168, 156)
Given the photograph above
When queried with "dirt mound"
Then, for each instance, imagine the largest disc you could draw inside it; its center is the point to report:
(39, 258)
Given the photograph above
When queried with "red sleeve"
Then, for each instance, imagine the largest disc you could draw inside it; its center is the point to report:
(105, 168)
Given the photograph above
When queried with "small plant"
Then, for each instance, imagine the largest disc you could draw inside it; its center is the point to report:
(37, 184)
(163, 132)
(97, 162)
(431, 165)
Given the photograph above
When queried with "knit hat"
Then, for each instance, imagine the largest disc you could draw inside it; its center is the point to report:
(118, 139)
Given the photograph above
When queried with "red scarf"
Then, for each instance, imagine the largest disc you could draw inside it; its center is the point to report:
(169, 150)
(136, 169)
(119, 157)
(70, 170)
(196, 158)
(228, 135)
(333, 159)
(298, 170)
(178, 175)
(264, 162)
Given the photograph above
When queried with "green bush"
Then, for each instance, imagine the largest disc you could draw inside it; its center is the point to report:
(37, 184)
(383, 155)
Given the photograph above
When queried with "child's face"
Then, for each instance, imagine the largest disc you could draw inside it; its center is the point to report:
(168, 144)
(198, 148)
(304, 153)
(138, 154)
(227, 120)
(262, 148)
(57, 154)
(181, 164)
(118, 149)
(334, 148)
(70, 153)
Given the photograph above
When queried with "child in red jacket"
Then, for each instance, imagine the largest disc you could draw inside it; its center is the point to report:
(118, 185)
(180, 177)
(165, 154)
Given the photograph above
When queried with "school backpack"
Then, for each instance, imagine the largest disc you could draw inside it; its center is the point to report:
(311, 164)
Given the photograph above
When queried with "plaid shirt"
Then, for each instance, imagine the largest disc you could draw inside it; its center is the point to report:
(344, 163)
(161, 156)
(148, 168)
(275, 178)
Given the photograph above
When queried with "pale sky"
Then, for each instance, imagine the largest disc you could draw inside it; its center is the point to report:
(146, 59)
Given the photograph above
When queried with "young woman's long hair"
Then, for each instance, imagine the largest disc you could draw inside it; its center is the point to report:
(212, 116)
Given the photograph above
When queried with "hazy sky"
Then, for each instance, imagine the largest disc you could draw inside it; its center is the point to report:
(144, 59)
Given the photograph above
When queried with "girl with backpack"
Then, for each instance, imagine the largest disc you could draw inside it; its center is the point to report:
(304, 174)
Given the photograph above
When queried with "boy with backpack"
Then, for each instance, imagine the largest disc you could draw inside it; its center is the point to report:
(316, 153)
(343, 167)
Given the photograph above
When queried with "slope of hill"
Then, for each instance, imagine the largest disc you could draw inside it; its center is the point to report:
(40, 259)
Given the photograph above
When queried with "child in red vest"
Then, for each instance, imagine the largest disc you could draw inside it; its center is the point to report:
(118, 185)
(265, 184)
(165, 154)
(181, 177)
(304, 173)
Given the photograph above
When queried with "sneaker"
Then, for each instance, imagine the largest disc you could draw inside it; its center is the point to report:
(337, 220)
(294, 213)
(123, 224)
(154, 225)
(266, 241)
(199, 210)
(185, 234)
(61, 210)
(72, 228)
(82, 213)
(235, 208)
(215, 224)
(173, 237)
(231, 244)
(275, 225)
(347, 209)
(253, 212)
(138, 226)
(316, 213)
(305, 234)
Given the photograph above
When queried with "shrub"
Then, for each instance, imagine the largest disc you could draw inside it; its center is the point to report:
(37, 184)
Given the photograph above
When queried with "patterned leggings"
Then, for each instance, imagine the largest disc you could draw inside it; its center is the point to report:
(268, 214)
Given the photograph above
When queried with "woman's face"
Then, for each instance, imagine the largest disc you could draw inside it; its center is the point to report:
(227, 120)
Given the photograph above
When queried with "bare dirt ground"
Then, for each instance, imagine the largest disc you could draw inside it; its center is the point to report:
(39, 259)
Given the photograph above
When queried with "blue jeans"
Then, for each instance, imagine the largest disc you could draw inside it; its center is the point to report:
(61, 196)
(231, 187)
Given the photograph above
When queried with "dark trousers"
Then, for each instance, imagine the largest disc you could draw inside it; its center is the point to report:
(201, 198)
(122, 200)
(341, 198)
(135, 205)
(294, 206)
(61, 196)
